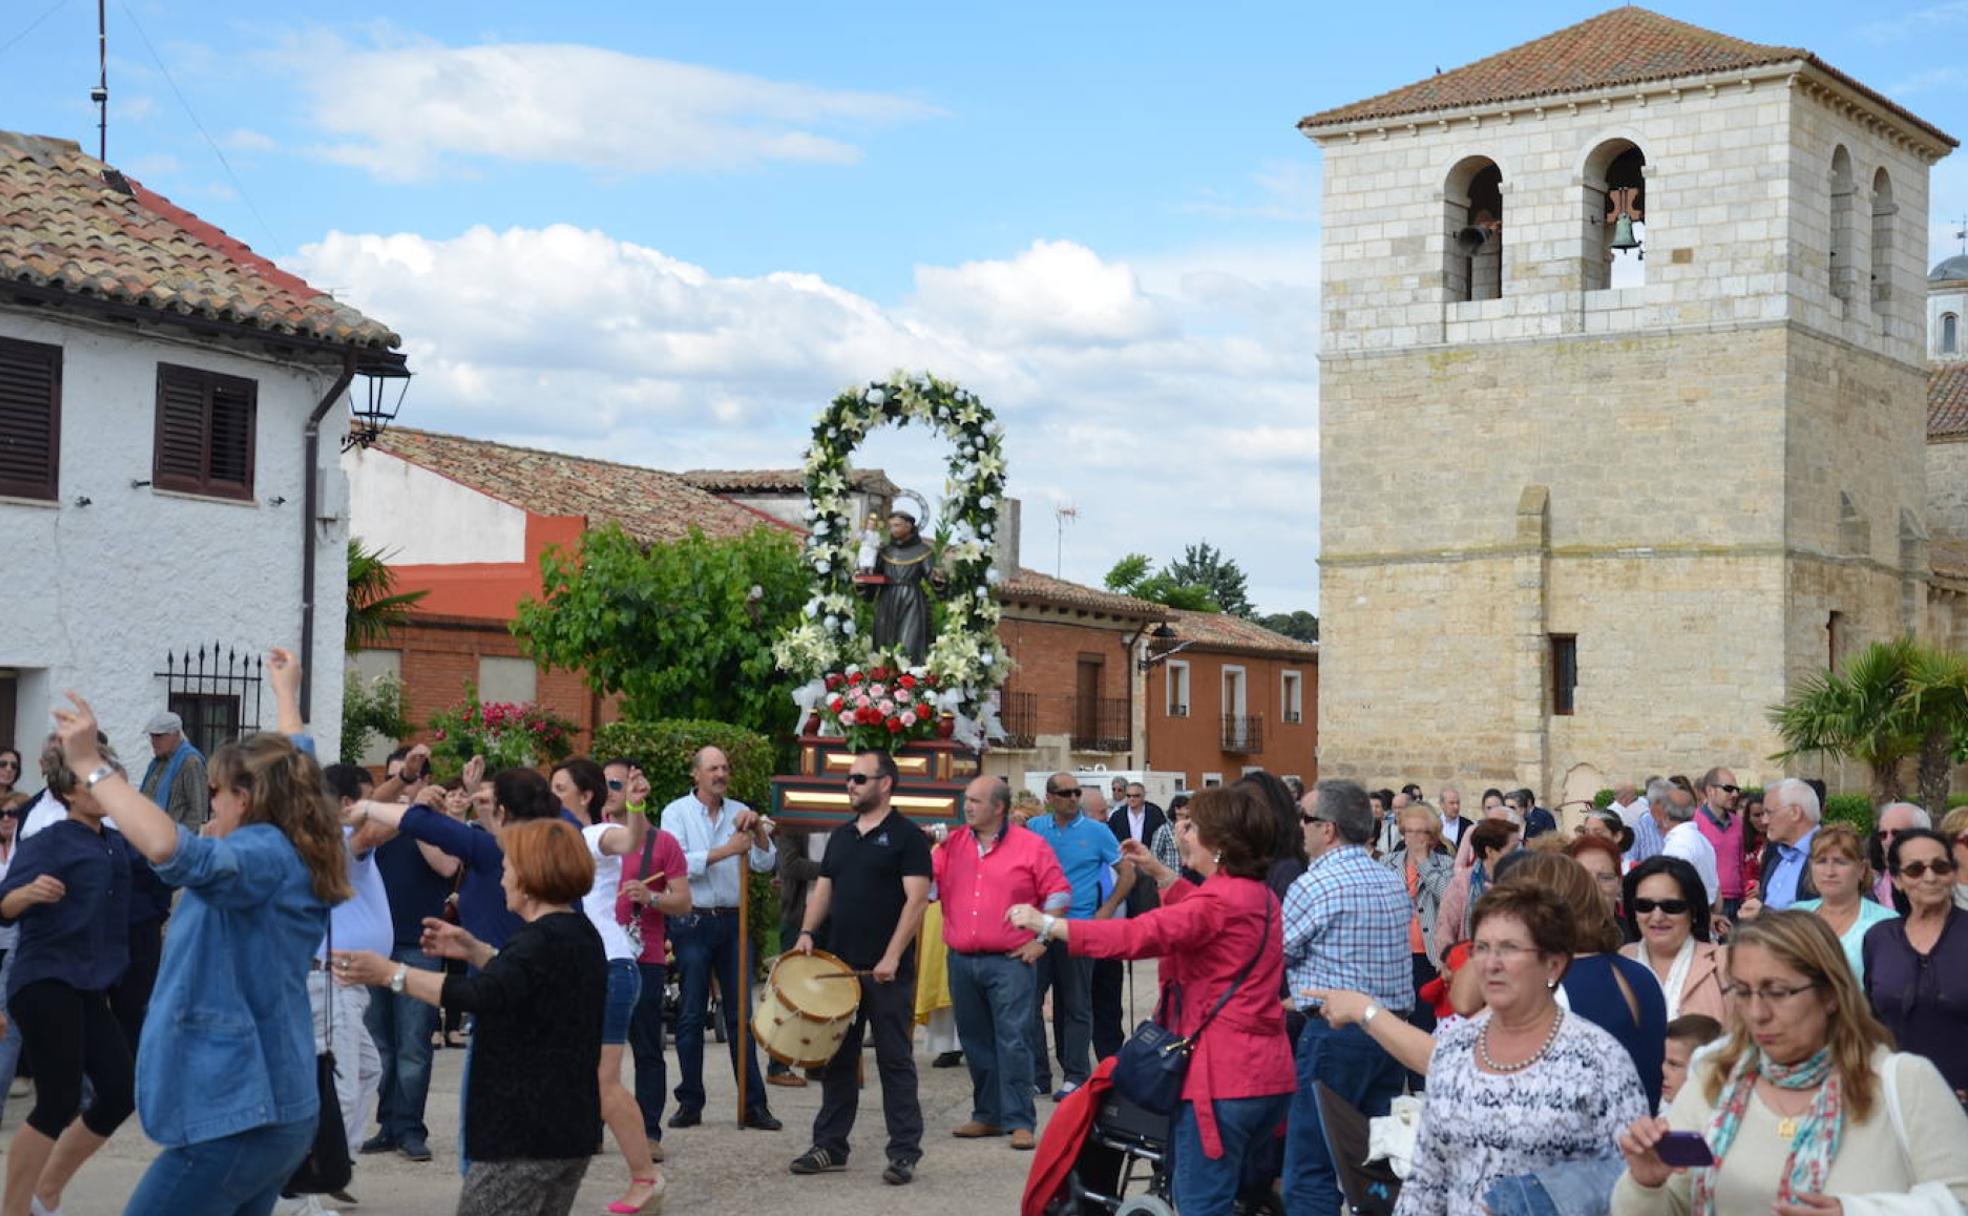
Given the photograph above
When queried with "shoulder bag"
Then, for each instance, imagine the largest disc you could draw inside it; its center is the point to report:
(326, 1167)
(1154, 1061)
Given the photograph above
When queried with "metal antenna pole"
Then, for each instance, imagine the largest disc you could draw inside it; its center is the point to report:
(100, 94)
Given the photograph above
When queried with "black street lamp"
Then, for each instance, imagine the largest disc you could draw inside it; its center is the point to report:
(370, 415)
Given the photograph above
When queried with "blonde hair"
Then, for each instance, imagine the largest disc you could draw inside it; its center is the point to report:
(1844, 838)
(1572, 882)
(1433, 819)
(1955, 824)
(283, 786)
(1804, 943)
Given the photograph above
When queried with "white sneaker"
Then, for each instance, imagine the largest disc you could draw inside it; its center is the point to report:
(303, 1205)
(37, 1208)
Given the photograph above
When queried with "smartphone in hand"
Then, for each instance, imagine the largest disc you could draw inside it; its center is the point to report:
(1687, 1150)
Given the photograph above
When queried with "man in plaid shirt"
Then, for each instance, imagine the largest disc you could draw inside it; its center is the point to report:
(1346, 927)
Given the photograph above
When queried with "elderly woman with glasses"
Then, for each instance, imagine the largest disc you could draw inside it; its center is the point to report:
(1916, 968)
(1523, 1086)
(1805, 1108)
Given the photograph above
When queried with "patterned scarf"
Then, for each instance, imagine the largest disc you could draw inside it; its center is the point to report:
(1819, 1130)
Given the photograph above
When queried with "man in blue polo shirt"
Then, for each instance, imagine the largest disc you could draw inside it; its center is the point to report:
(1086, 849)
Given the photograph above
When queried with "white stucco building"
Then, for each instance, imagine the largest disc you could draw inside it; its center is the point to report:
(171, 409)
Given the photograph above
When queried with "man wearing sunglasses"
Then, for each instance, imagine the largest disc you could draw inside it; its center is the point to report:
(1086, 848)
(1716, 820)
(871, 894)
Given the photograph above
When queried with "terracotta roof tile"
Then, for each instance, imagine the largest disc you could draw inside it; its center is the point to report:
(650, 504)
(1222, 631)
(1947, 401)
(1029, 586)
(782, 481)
(63, 226)
(1627, 45)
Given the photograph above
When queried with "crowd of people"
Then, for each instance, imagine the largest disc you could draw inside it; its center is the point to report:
(1693, 1000)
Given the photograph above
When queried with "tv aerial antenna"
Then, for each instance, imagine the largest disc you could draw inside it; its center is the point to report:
(1062, 514)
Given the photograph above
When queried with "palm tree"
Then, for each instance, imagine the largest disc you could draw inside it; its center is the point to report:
(1891, 702)
(374, 605)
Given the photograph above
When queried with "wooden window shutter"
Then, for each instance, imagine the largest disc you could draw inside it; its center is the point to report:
(205, 429)
(30, 419)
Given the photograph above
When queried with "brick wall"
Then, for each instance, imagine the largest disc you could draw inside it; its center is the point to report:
(1193, 744)
(1046, 655)
(441, 654)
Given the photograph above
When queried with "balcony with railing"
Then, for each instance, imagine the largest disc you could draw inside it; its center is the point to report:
(1243, 734)
(1100, 724)
(1020, 717)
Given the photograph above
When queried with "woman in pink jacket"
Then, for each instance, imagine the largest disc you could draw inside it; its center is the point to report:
(1240, 1078)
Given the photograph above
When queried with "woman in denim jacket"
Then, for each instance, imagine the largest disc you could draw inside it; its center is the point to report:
(225, 1067)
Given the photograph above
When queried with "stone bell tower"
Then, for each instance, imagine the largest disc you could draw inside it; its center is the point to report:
(1622, 403)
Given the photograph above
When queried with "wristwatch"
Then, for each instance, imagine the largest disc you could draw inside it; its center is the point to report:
(397, 980)
(1372, 1012)
(102, 771)
(1045, 927)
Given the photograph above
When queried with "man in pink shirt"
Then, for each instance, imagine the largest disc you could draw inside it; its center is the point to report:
(981, 870)
(1724, 831)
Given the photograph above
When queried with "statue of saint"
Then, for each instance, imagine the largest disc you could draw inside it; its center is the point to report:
(902, 604)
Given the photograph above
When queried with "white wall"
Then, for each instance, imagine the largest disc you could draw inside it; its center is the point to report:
(423, 518)
(95, 595)
(1954, 300)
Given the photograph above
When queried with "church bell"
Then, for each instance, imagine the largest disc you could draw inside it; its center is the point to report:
(1623, 237)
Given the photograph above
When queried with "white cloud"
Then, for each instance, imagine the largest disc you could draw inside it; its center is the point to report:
(1919, 22)
(410, 111)
(245, 139)
(1173, 400)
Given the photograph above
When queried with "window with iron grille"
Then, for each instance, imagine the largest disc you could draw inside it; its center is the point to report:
(30, 419)
(205, 427)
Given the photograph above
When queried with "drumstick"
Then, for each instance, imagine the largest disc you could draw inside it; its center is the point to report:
(844, 975)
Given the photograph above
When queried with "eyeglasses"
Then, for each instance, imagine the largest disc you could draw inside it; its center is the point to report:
(13, 764)
(1509, 952)
(616, 785)
(1769, 994)
(1727, 789)
(1072, 793)
(858, 778)
(1671, 907)
(1918, 869)
(1305, 818)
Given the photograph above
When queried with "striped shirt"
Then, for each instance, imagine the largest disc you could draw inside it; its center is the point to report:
(1346, 927)
(1648, 841)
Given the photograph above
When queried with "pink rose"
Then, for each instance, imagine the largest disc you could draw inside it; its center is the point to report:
(903, 696)
(908, 717)
(879, 690)
(887, 707)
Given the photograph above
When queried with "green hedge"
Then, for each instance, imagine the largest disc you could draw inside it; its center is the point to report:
(664, 750)
(1855, 809)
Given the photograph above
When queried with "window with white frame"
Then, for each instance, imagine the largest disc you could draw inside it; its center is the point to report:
(1212, 780)
(1292, 685)
(1178, 689)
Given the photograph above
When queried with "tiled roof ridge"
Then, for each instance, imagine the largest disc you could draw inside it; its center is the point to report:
(77, 228)
(1700, 51)
(1269, 639)
(1036, 584)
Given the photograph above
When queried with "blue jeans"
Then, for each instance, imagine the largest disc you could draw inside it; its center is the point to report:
(624, 988)
(1071, 981)
(10, 1044)
(1356, 1068)
(992, 997)
(236, 1175)
(646, 1045)
(702, 942)
(1205, 1186)
(402, 1027)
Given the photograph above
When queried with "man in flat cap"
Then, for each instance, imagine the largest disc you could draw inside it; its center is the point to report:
(175, 779)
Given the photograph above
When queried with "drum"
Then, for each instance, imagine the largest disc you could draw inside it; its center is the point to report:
(809, 1003)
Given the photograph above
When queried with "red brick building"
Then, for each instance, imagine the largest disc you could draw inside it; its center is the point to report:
(1225, 695)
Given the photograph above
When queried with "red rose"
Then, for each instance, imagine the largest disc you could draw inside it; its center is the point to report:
(834, 704)
(907, 681)
(833, 682)
(881, 673)
(855, 678)
(895, 726)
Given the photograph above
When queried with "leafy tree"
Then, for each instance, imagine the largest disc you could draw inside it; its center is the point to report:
(377, 709)
(1134, 575)
(374, 605)
(1203, 565)
(682, 629)
(1298, 624)
(1892, 702)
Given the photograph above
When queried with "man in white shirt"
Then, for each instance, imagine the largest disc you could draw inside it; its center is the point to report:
(1685, 840)
(1627, 802)
(713, 830)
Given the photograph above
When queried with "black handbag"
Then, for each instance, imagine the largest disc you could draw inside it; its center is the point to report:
(1154, 1062)
(327, 1167)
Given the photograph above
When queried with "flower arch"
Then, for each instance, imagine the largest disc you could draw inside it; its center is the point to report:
(833, 644)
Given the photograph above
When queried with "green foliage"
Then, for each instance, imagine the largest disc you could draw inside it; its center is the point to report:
(664, 751)
(680, 630)
(1133, 576)
(1203, 565)
(374, 605)
(377, 709)
(1297, 623)
(1602, 800)
(1892, 702)
(1855, 809)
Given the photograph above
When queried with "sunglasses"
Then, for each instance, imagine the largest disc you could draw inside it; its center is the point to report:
(617, 785)
(1918, 869)
(858, 778)
(1072, 793)
(14, 764)
(1305, 818)
(1671, 907)
(1727, 789)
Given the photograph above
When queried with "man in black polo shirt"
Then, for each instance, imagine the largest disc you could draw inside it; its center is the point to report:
(873, 886)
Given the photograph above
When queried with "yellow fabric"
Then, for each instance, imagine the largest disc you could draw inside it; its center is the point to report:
(932, 965)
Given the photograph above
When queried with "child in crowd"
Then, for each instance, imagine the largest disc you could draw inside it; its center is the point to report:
(1686, 1035)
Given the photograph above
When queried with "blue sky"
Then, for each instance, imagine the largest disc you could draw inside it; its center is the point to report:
(668, 233)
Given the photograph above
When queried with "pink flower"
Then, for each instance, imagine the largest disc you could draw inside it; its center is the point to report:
(908, 717)
(878, 690)
(903, 696)
(887, 707)
(862, 701)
